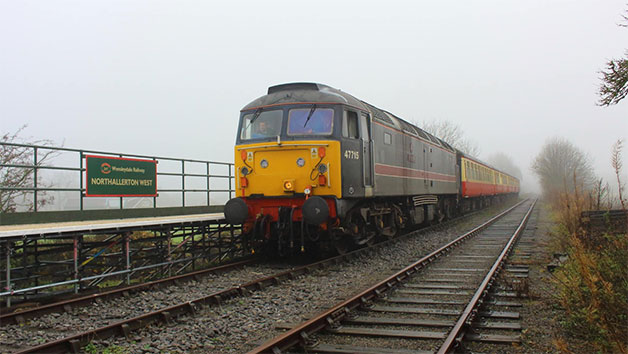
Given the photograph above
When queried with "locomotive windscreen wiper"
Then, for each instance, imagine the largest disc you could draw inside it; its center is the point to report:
(309, 115)
(255, 115)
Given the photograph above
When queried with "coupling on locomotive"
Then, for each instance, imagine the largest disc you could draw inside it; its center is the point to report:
(315, 166)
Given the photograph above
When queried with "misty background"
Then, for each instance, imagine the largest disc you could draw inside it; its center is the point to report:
(167, 78)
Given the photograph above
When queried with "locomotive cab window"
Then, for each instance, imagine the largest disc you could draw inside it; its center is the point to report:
(310, 121)
(261, 124)
(350, 125)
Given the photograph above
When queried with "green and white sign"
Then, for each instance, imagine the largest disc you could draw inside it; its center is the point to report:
(120, 177)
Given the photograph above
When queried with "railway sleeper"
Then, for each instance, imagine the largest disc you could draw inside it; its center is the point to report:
(351, 349)
(492, 338)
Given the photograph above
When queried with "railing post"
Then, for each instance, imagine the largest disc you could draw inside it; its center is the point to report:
(127, 250)
(155, 198)
(207, 165)
(36, 258)
(81, 179)
(76, 285)
(169, 254)
(193, 251)
(35, 179)
(230, 195)
(79, 258)
(183, 182)
(121, 203)
(27, 270)
(8, 272)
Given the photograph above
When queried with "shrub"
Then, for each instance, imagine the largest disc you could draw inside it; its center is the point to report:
(593, 290)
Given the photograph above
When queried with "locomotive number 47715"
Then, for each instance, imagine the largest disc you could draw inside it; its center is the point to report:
(352, 155)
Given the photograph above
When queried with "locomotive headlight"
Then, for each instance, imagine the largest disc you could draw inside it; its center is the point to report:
(288, 185)
(300, 162)
(264, 163)
(322, 169)
(307, 191)
(244, 171)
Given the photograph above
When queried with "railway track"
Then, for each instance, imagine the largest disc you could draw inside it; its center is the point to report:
(169, 313)
(433, 305)
(111, 314)
(21, 315)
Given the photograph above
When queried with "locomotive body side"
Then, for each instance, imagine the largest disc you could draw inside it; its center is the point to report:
(315, 165)
(407, 165)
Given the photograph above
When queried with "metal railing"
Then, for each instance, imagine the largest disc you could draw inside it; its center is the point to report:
(37, 188)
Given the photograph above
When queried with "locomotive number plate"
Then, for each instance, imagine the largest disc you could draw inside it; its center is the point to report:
(352, 155)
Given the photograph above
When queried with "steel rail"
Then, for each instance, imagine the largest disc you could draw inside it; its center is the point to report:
(456, 335)
(21, 316)
(124, 327)
(74, 343)
(300, 334)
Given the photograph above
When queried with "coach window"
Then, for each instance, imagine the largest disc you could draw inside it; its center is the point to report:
(350, 125)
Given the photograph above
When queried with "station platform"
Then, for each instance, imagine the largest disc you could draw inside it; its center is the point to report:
(117, 225)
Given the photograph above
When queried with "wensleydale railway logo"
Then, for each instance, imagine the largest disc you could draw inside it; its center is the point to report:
(105, 168)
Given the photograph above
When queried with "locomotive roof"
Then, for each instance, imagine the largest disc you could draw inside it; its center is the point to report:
(309, 92)
(304, 92)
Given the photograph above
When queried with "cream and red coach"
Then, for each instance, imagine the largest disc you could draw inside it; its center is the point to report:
(481, 183)
(315, 165)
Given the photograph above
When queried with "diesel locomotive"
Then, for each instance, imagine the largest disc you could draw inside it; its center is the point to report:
(317, 166)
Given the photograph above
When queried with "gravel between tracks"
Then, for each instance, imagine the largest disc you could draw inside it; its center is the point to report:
(241, 324)
(101, 313)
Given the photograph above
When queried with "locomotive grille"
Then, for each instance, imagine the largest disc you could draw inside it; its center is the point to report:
(424, 199)
(379, 114)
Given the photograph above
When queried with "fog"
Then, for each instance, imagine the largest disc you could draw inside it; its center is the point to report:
(168, 78)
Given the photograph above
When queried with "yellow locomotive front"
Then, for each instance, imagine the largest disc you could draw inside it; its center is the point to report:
(282, 159)
(287, 169)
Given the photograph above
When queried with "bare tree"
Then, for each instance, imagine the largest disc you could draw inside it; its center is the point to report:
(452, 134)
(504, 162)
(601, 195)
(617, 166)
(562, 167)
(18, 172)
(614, 78)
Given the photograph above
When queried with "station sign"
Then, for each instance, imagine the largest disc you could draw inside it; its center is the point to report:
(120, 177)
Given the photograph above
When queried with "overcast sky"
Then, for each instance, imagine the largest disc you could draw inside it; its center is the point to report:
(168, 78)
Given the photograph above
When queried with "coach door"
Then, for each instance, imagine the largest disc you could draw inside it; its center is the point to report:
(367, 159)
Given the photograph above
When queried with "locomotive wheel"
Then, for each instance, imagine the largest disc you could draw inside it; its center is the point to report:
(340, 243)
(359, 229)
(449, 210)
